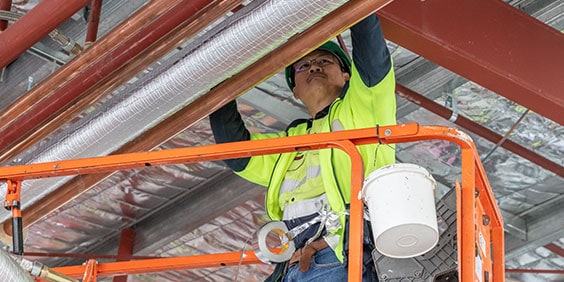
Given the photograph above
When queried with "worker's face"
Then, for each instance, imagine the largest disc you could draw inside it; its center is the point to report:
(318, 73)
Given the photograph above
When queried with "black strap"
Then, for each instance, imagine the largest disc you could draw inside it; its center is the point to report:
(278, 273)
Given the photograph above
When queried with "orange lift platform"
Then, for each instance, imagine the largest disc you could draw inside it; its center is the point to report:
(479, 225)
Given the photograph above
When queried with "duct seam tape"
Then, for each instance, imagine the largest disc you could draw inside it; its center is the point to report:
(264, 253)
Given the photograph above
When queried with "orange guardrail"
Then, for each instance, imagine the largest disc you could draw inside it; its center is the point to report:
(479, 222)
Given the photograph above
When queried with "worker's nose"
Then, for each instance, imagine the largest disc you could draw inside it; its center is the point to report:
(314, 68)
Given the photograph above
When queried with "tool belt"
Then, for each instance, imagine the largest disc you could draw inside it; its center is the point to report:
(303, 255)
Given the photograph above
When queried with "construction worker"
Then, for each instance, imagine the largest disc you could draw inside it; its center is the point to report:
(339, 95)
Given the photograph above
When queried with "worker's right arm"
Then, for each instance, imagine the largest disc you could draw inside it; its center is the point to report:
(228, 126)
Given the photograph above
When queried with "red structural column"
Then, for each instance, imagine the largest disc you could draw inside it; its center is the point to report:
(93, 20)
(125, 249)
(488, 42)
(5, 5)
(34, 25)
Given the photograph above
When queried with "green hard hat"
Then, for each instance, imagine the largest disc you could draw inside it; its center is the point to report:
(330, 47)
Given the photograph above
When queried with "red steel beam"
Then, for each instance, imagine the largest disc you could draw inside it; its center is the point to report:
(555, 249)
(488, 42)
(537, 271)
(476, 128)
(34, 25)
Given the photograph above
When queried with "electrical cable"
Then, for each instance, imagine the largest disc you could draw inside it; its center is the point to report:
(242, 256)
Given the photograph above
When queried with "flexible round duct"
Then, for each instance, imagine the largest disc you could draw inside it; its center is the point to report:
(266, 27)
(10, 271)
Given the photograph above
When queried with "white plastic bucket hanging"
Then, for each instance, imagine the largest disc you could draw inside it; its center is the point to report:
(400, 200)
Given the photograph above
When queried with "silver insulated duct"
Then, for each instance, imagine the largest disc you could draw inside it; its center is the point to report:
(11, 271)
(264, 28)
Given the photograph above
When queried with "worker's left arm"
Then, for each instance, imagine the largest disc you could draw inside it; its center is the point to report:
(371, 93)
(371, 56)
(370, 99)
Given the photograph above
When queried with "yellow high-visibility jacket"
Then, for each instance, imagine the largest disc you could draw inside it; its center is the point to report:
(367, 100)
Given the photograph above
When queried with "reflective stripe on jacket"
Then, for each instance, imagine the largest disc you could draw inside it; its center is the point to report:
(359, 107)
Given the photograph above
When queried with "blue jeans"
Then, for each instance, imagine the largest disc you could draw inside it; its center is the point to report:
(324, 267)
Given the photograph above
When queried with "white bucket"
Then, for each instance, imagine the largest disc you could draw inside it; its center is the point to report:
(400, 200)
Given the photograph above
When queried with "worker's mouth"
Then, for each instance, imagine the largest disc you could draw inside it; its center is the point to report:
(315, 75)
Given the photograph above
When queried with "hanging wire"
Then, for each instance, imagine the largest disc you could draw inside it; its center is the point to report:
(236, 277)
(505, 136)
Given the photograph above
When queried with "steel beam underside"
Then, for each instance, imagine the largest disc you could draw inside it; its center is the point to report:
(488, 42)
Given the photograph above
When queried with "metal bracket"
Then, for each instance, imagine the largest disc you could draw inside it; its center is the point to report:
(2, 73)
(13, 203)
(452, 104)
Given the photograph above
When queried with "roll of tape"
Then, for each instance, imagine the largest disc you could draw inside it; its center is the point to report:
(279, 253)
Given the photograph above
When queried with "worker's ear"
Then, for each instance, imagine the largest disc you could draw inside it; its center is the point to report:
(296, 93)
(346, 76)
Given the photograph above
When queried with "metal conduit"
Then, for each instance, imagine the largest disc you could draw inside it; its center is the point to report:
(265, 28)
